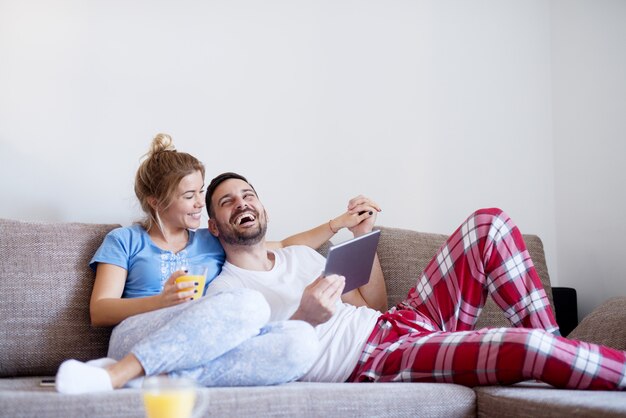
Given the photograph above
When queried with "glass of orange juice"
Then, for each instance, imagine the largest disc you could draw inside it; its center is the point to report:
(168, 397)
(196, 274)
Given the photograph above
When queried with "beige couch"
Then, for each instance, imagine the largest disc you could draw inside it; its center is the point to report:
(44, 318)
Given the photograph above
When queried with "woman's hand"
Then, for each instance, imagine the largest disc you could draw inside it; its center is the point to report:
(360, 217)
(176, 293)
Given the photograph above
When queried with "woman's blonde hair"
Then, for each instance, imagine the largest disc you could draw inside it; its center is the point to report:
(158, 177)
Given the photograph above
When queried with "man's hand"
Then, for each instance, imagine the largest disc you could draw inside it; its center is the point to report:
(319, 299)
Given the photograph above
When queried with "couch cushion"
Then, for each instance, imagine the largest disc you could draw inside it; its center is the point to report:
(22, 397)
(40, 325)
(540, 400)
(302, 399)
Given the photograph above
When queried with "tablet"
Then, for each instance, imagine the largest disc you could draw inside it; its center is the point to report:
(353, 259)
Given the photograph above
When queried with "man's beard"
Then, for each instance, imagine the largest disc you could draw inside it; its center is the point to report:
(248, 236)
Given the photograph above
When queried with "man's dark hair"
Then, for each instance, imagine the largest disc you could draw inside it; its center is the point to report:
(215, 183)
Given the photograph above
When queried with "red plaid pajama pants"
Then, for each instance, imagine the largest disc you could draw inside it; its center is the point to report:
(430, 337)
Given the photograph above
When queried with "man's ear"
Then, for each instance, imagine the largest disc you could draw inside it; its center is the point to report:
(213, 228)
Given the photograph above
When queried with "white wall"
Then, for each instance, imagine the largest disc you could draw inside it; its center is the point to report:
(589, 96)
(433, 108)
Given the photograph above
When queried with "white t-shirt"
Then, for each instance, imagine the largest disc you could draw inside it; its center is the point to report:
(342, 337)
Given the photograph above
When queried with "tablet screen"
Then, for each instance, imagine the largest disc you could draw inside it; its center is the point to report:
(353, 259)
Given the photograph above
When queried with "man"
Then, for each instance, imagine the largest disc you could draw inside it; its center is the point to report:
(429, 336)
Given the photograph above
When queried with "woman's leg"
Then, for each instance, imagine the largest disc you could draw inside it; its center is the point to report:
(282, 352)
(485, 255)
(498, 356)
(181, 337)
(203, 332)
(134, 329)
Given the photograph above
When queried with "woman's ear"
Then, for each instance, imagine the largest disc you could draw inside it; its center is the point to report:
(213, 228)
(152, 201)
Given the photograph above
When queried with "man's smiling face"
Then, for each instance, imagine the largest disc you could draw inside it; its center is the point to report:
(240, 218)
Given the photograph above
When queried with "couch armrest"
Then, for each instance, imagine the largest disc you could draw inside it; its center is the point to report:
(605, 325)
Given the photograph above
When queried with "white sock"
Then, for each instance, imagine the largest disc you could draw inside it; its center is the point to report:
(102, 362)
(106, 361)
(135, 383)
(75, 377)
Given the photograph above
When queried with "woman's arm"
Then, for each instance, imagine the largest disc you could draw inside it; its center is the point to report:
(313, 238)
(108, 308)
(374, 293)
(359, 209)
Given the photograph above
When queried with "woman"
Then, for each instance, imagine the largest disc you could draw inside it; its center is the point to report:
(223, 340)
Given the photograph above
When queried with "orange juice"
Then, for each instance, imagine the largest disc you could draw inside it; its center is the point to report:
(200, 279)
(169, 403)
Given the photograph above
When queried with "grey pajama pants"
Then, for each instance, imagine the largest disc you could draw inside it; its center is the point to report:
(219, 340)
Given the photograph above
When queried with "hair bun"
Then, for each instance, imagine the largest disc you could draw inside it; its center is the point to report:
(162, 142)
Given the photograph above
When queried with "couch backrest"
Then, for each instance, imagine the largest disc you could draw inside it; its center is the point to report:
(45, 286)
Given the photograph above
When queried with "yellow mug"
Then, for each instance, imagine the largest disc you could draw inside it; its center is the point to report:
(196, 274)
(167, 397)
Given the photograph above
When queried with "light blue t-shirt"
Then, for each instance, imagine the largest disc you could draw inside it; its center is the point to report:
(149, 266)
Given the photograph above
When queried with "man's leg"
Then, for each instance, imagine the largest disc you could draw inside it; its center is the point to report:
(485, 255)
(497, 356)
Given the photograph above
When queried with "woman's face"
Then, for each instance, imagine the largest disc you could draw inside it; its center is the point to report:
(187, 204)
